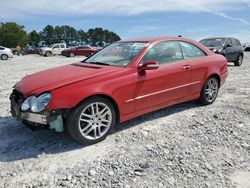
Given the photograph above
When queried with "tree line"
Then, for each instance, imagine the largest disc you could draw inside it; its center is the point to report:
(12, 34)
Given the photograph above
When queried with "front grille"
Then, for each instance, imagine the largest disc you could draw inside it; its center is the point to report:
(16, 99)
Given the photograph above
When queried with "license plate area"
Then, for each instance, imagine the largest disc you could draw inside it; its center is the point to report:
(36, 118)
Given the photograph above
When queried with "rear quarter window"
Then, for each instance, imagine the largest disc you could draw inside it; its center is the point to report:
(191, 51)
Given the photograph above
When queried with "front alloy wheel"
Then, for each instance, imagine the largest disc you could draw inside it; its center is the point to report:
(209, 91)
(92, 121)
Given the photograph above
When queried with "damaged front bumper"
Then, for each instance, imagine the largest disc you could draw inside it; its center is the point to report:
(45, 119)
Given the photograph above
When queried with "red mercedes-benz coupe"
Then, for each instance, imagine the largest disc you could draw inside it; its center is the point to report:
(124, 80)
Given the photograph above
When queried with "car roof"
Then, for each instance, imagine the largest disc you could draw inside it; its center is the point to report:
(220, 38)
(155, 39)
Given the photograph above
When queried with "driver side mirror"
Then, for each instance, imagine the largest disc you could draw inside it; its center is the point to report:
(148, 65)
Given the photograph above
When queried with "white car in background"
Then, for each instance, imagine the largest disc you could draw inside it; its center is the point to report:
(5, 53)
(54, 49)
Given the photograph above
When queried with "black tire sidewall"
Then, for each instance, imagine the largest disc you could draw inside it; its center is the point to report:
(203, 98)
(73, 117)
(238, 62)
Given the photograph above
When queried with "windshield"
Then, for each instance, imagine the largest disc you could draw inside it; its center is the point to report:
(213, 42)
(117, 54)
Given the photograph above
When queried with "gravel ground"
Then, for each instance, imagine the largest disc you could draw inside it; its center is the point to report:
(186, 145)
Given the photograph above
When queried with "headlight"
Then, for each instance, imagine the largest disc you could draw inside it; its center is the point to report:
(27, 103)
(41, 102)
(36, 104)
(214, 50)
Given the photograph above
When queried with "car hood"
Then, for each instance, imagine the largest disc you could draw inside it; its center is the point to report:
(51, 79)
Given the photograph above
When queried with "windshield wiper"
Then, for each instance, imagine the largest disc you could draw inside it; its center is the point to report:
(98, 63)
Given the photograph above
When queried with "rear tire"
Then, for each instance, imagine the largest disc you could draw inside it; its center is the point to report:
(4, 57)
(209, 91)
(91, 121)
(72, 54)
(239, 61)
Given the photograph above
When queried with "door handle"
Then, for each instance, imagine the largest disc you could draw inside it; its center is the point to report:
(185, 67)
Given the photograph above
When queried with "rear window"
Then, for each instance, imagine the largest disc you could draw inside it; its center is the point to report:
(213, 42)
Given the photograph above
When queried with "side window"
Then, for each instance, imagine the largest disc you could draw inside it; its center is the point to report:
(190, 51)
(234, 43)
(164, 52)
(1, 48)
(229, 41)
(238, 43)
(62, 46)
(56, 46)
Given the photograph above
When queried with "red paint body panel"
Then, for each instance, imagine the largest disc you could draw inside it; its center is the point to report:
(134, 93)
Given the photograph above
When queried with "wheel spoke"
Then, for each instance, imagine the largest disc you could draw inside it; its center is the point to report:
(92, 109)
(103, 110)
(86, 128)
(97, 108)
(103, 125)
(86, 115)
(89, 130)
(85, 120)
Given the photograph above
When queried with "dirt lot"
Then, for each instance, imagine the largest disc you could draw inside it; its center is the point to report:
(186, 145)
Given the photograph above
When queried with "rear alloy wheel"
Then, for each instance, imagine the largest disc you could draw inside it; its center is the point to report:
(209, 91)
(91, 121)
(240, 60)
(48, 54)
(72, 54)
(4, 57)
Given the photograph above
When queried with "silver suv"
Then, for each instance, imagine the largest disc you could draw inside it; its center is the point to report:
(5, 53)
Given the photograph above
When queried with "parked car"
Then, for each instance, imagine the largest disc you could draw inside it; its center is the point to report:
(247, 48)
(124, 80)
(80, 50)
(28, 50)
(228, 47)
(5, 53)
(54, 49)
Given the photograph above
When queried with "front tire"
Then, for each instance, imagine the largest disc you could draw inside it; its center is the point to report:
(48, 54)
(209, 91)
(4, 57)
(72, 54)
(91, 121)
(239, 61)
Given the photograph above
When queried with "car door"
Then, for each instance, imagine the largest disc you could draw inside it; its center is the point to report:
(82, 50)
(168, 83)
(56, 50)
(198, 63)
(236, 49)
(229, 50)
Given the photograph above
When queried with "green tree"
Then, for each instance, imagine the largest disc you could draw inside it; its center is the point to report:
(34, 38)
(82, 37)
(101, 37)
(12, 34)
(48, 35)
